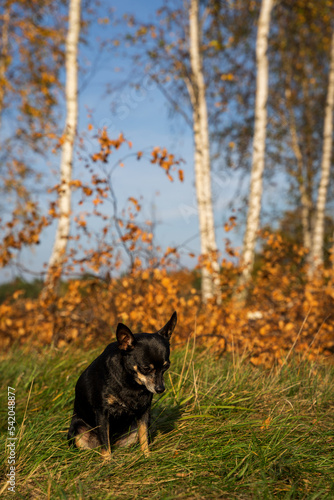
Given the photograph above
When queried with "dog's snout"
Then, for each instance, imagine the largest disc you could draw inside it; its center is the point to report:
(159, 389)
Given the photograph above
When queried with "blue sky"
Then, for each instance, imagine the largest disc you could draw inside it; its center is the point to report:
(144, 120)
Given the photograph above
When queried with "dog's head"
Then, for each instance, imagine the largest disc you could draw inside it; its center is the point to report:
(146, 355)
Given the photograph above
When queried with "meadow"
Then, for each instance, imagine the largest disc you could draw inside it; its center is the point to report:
(223, 429)
(248, 410)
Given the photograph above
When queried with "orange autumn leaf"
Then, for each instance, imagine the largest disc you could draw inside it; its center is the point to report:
(266, 424)
(87, 190)
(97, 201)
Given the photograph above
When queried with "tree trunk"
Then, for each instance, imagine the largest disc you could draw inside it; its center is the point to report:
(259, 141)
(57, 258)
(210, 268)
(4, 56)
(306, 202)
(319, 225)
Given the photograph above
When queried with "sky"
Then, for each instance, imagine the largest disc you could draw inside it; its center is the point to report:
(144, 119)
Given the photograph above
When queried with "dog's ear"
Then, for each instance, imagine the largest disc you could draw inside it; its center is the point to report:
(125, 337)
(168, 329)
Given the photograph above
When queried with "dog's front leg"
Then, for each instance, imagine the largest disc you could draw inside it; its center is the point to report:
(103, 430)
(143, 423)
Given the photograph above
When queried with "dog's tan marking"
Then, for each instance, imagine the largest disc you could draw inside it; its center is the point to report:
(106, 455)
(111, 399)
(143, 433)
(82, 441)
(86, 439)
(108, 437)
(139, 377)
(151, 366)
(128, 440)
(146, 380)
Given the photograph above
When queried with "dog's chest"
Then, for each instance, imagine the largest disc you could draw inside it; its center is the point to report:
(126, 404)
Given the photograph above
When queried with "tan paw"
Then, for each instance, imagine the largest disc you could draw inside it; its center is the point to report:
(106, 455)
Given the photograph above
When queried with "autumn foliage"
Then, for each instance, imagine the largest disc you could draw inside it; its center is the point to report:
(285, 313)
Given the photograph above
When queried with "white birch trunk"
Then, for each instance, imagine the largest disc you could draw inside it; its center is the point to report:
(210, 278)
(64, 197)
(319, 226)
(259, 141)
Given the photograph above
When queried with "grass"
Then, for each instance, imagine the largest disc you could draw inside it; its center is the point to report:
(223, 429)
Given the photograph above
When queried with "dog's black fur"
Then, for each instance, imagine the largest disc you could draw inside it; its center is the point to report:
(113, 395)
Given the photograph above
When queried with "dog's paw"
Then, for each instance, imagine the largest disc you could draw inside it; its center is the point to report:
(105, 454)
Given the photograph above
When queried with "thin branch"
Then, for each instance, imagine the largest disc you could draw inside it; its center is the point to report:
(172, 101)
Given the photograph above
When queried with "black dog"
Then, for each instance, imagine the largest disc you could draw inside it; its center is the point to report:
(113, 395)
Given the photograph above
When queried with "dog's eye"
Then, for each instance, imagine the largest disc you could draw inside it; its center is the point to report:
(146, 370)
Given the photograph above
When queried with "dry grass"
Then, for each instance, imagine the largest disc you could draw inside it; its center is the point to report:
(223, 429)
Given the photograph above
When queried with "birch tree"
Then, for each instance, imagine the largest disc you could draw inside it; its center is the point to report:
(300, 46)
(179, 48)
(64, 193)
(259, 141)
(319, 226)
(31, 55)
(196, 88)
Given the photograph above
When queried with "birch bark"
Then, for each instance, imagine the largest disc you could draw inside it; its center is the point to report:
(210, 273)
(319, 225)
(259, 141)
(64, 197)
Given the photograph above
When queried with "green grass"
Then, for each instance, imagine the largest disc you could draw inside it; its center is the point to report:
(223, 429)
